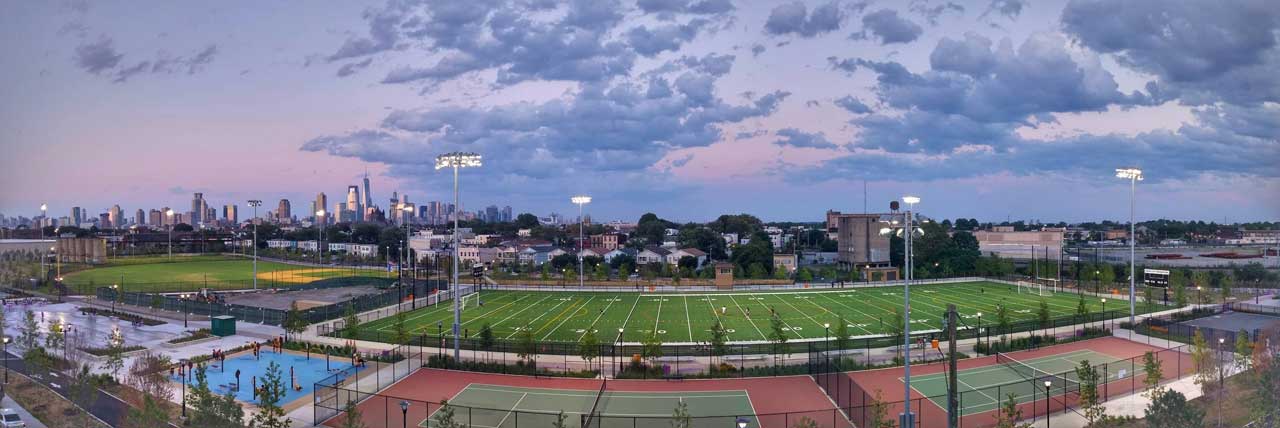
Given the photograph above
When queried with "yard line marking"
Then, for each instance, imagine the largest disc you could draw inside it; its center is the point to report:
(567, 318)
(593, 322)
(855, 309)
(519, 311)
(793, 330)
(657, 316)
(535, 320)
(633, 309)
(688, 322)
(744, 314)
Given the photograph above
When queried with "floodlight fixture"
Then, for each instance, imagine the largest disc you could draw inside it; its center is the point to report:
(1131, 173)
(457, 160)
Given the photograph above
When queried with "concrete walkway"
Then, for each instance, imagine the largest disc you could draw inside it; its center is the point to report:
(31, 421)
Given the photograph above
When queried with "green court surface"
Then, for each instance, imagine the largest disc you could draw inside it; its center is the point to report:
(687, 317)
(497, 406)
(977, 392)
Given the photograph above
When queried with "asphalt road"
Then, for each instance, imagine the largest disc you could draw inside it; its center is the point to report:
(105, 407)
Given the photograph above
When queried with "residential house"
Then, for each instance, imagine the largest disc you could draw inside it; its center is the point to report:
(281, 243)
(652, 254)
(675, 256)
(785, 261)
(609, 256)
(608, 241)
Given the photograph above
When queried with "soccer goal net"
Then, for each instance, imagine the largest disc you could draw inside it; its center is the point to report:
(1027, 287)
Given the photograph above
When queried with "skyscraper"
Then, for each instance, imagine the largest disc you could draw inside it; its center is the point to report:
(506, 214)
(115, 217)
(197, 209)
(368, 198)
(354, 202)
(155, 217)
(284, 212)
(140, 218)
(322, 201)
(77, 215)
(231, 212)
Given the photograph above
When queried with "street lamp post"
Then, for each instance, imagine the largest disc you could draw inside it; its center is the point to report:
(44, 213)
(169, 214)
(1104, 308)
(6, 359)
(617, 363)
(907, 418)
(1134, 175)
(979, 336)
(1221, 378)
(185, 310)
(404, 413)
(826, 346)
(255, 203)
(580, 200)
(1047, 385)
(408, 253)
(115, 295)
(457, 161)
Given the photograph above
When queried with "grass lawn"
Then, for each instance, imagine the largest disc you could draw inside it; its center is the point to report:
(688, 317)
(194, 272)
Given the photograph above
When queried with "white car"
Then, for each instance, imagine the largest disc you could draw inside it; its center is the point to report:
(10, 419)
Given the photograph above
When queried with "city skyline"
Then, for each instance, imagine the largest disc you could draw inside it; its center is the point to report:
(989, 110)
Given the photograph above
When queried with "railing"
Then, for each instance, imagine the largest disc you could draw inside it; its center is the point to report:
(331, 394)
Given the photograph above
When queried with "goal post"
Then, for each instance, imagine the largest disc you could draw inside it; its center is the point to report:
(1035, 288)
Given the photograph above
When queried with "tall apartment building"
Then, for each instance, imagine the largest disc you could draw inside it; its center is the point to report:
(354, 202)
(198, 207)
(77, 215)
(284, 212)
(140, 217)
(115, 217)
(231, 212)
(506, 214)
(155, 217)
(321, 203)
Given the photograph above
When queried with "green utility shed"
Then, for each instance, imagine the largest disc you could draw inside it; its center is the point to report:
(223, 325)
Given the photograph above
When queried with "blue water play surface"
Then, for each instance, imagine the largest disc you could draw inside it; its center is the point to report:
(305, 373)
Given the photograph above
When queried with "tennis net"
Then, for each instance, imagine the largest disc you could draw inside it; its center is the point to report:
(587, 418)
(1058, 382)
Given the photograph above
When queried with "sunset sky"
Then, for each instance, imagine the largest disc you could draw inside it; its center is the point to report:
(686, 108)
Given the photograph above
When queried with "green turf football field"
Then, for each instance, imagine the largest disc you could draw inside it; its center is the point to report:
(688, 317)
(218, 272)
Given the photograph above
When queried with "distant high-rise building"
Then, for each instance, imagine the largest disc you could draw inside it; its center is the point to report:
(197, 208)
(104, 220)
(354, 202)
(77, 215)
(140, 218)
(491, 214)
(506, 214)
(284, 213)
(155, 217)
(322, 201)
(168, 220)
(368, 198)
(115, 217)
(231, 212)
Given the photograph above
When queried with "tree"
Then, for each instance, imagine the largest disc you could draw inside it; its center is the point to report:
(402, 336)
(1002, 319)
(602, 272)
(82, 391)
(896, 327)
(779, 272)
(804, 275)
(651, 348)
(30, 331)
(56, 336)
(526, 221)
(842, 333)
(115, 352)
(777, 333)
(1203, 361)
(1043, 314)
(353, 417)
(680, 417)
(1010, 414)
(1170, 409)
(486, 337)
(1200, 278)
(150, 415)
(1224, 286)
(562, 421)
(805, 422)
(719, 336)
(1087, 375)
(270, 415)
(147, 373)
(589, 347)
(1178, 282)
(444, 417)
(351, 323)
(209, 409)
(1082, 309)
(1149, 298)
(1153, 370)
(294, 322)
(526, 347)
(1244, 349)
(878, 415)
(1264, 380)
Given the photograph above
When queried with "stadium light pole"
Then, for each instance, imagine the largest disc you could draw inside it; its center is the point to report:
(169, 214)
(457, 161)
(580, 200)
(408, 254)
(255, 203)
(320, 238)
(44, 213)
(907, 419)
(1134, 175)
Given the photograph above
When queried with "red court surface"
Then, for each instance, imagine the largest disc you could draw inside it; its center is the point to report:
(778, 401)
(853, 391)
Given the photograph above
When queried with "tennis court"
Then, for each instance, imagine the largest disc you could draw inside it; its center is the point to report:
(1022, 378)
(500, 406)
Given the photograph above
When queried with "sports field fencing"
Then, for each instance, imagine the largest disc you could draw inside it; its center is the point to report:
(696, 360)
(331, 394)
(864, 407)
(1174, 326)
(270, 316)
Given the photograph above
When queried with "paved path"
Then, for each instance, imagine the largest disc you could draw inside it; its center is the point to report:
(31, 421)
(105, 407)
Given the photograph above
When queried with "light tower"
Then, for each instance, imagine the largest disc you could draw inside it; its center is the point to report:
(580, 200)
(907, 230)
(255, 203)
(457, 161)
(169, 213)
(1134, 175)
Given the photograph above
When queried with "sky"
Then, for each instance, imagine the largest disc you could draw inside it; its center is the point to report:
(1004, 109)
